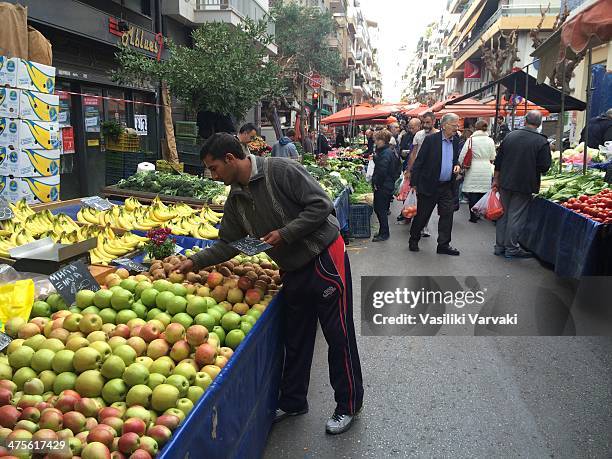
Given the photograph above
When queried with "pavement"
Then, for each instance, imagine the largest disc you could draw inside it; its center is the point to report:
(458, 397)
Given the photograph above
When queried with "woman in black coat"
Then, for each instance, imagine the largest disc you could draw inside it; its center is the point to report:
(387, 168)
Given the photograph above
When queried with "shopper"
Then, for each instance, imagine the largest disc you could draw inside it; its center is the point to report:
(285, 148)
(600, 130)
(277, 200)
(246, 134)
(432, 176)
(323, 147)
(394, 129)
(478, 177)
(340, 142)
(523, 157)
(370, 139)
(414, 126)
(502, 129)
(309, 142)
(387, 168)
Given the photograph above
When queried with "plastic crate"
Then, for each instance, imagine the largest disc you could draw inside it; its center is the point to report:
(359, 220)
(132, 160)
(192, 149)
(124, 142)
(186, 142)
(190, 159)
(186, 129)
(114, 167)
(164, 166)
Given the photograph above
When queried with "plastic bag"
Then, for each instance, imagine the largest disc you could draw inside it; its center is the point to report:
(489, 206)
(410, 205)
(404, 189)
(370, 170)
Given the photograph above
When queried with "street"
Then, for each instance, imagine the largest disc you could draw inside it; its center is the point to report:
(459, 396)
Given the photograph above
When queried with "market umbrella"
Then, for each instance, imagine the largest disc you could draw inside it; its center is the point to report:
(520, 108)
(466, 108)
(357, 113)
(414, 109)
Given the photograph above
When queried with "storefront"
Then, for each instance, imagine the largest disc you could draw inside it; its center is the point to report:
(84, 44)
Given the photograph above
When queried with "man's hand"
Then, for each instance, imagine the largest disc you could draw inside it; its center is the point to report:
(407, 174)
(414, 188)
(186, 266)
(273, 238)
(456, 169)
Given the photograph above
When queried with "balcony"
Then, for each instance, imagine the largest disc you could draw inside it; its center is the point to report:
(337, 7)
(196, 12)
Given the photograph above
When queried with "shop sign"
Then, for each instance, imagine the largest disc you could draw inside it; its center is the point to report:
(68, 140)
(91, 101)
(472, 70)
(138, 38)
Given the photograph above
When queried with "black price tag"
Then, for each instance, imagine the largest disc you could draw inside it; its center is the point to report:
(250, 245)
(6, 213)
(5, 340)
(97, 203)
(71, 279)
(131, 265)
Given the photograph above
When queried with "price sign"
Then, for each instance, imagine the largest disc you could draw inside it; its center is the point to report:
(6, 213)
(250, 246)
(131, 265)
(178, 249)
(5, 340)
(140, 124)
(71, 279)
(97, 203)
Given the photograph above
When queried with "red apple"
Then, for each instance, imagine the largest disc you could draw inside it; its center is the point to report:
(102, 435)
(150, 332)
(160, 433)
(75, 421)
(205, 354)
(129, 442)
(196, 335)
(136, 425)
(9, 415)
(140, 454)
(51, 418)
(95, 450)
(108, 412)
(168, 420)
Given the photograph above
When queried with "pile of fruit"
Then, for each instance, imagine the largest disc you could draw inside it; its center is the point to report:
(132, 215)
(561, 187)
(170, 184)
(117, 371)
(597, 207)
(28, 226)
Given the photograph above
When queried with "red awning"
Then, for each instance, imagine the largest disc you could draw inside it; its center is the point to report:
(358, 113)
(468, 108)
(415, 111)
(591, 25)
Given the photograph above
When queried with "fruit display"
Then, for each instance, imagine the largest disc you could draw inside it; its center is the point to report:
(132, 215)
(561, 187)
(170, 184)
(115, 373)
(28, 226)
(597, 207)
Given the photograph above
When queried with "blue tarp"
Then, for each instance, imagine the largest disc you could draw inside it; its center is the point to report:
(233, 418)
(342, 204)
(575, 245)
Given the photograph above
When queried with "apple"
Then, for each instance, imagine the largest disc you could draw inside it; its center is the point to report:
(150, 332)
(62, 361)
(180, 350)
(148, 297)
(144, 360)
(176, 412)
(226, 352)
(114, 390)
(74, 421)
(139, 394)
(205, 354)
(138, 344)
(87, 406)
(122, 330)
(129, 442)
(108, 412)
(89, 383)
(170, 421)
(121, 406)
(21, 357)
(140, 412)
(203, 380)
(45, 435)
(135, 374)
(155, 379)
(113, 367)
(87, 358)
(116, 341)
(103, 348)
(102, 435)
(102, 298)
(136, 425)
(85, 298)
(51, 418)
(186, 370)
(196, 335)
(6, 372)
(95, 450)
(183, 318)
(164, 396)
(160, 433)
(66, 401)
(194, 393)
(5, 396)
(90, 323)
(29, 330)
(220, 361)
(115, 422)
(63, 381)
(163, 365)
(34, 342)
(158, 348)
(121, 300)
(126, 352)
(9, 415)
(125, 315)
(26, 425)
(75, 343)
(149, 445)
(21, 376)
(96, 336)
(140, 454)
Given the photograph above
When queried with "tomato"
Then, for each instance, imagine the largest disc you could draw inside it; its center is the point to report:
(583, 198)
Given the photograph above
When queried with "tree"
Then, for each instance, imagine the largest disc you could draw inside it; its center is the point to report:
(497, 53)
(302, 36)
(226, 71)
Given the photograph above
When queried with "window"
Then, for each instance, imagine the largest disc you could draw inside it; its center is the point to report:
(140, 6)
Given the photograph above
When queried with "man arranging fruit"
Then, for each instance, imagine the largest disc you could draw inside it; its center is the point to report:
(275, 199)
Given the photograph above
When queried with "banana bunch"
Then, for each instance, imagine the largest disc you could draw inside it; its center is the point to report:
(16, 239)
(110, 246)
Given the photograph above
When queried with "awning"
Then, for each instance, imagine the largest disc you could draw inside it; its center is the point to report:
(414, 109)
(465, 108)
(520, 108)
(526, 86)
(325, 112)
(357, 113)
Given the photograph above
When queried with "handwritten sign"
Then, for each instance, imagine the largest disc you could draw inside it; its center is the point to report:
(97, 203)
(250, 246)
(5, 340)
(131, 265)
(6, 213)
(71, 279)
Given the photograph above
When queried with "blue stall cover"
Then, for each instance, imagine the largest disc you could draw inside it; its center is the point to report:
(575, 245)
(234, 416)
(342, 205)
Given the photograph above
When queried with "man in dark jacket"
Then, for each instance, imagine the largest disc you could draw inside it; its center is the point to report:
(278, 201)
(523, 157)
(387, 169)
(600, 130)
(433, 175)
(323, 146)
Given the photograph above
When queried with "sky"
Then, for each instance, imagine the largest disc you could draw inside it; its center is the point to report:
(401, 23)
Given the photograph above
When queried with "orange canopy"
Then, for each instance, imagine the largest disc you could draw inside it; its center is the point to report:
(414, 110)
(520, 108)
(357, 113)
(468, 108)
(591, 25)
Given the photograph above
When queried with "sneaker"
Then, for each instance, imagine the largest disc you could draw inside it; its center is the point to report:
(282, 415)
(378, 238)
(425, 233)
(447, 250)
(519, 254)
(339, 423)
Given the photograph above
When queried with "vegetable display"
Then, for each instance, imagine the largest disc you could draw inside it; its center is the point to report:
(597, 207)
(561, 187)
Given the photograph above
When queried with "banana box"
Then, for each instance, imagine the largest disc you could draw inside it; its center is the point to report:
(9, 132)
(39, 135)
(35, 77)
(33, 189)
(38, 106)
(9, 102)
(29, 163)
(8, 71)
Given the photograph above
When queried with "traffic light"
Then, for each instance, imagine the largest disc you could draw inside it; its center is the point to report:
(315, 100)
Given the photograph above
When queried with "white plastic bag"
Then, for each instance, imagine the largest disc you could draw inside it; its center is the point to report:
(410, 205)
(370, 170)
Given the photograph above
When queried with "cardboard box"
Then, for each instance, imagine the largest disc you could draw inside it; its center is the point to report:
(29, 163)
(33, 189)
(39, 135)
(37, 106)
(9, 132)
(8, 71)
(35, 77)
(9, 102)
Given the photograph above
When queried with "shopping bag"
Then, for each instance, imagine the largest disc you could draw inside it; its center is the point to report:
(370, 171)
(467, 159)
(397, 185)
(410, 205)
(404, 189)
(489, 206)
(16, 300)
